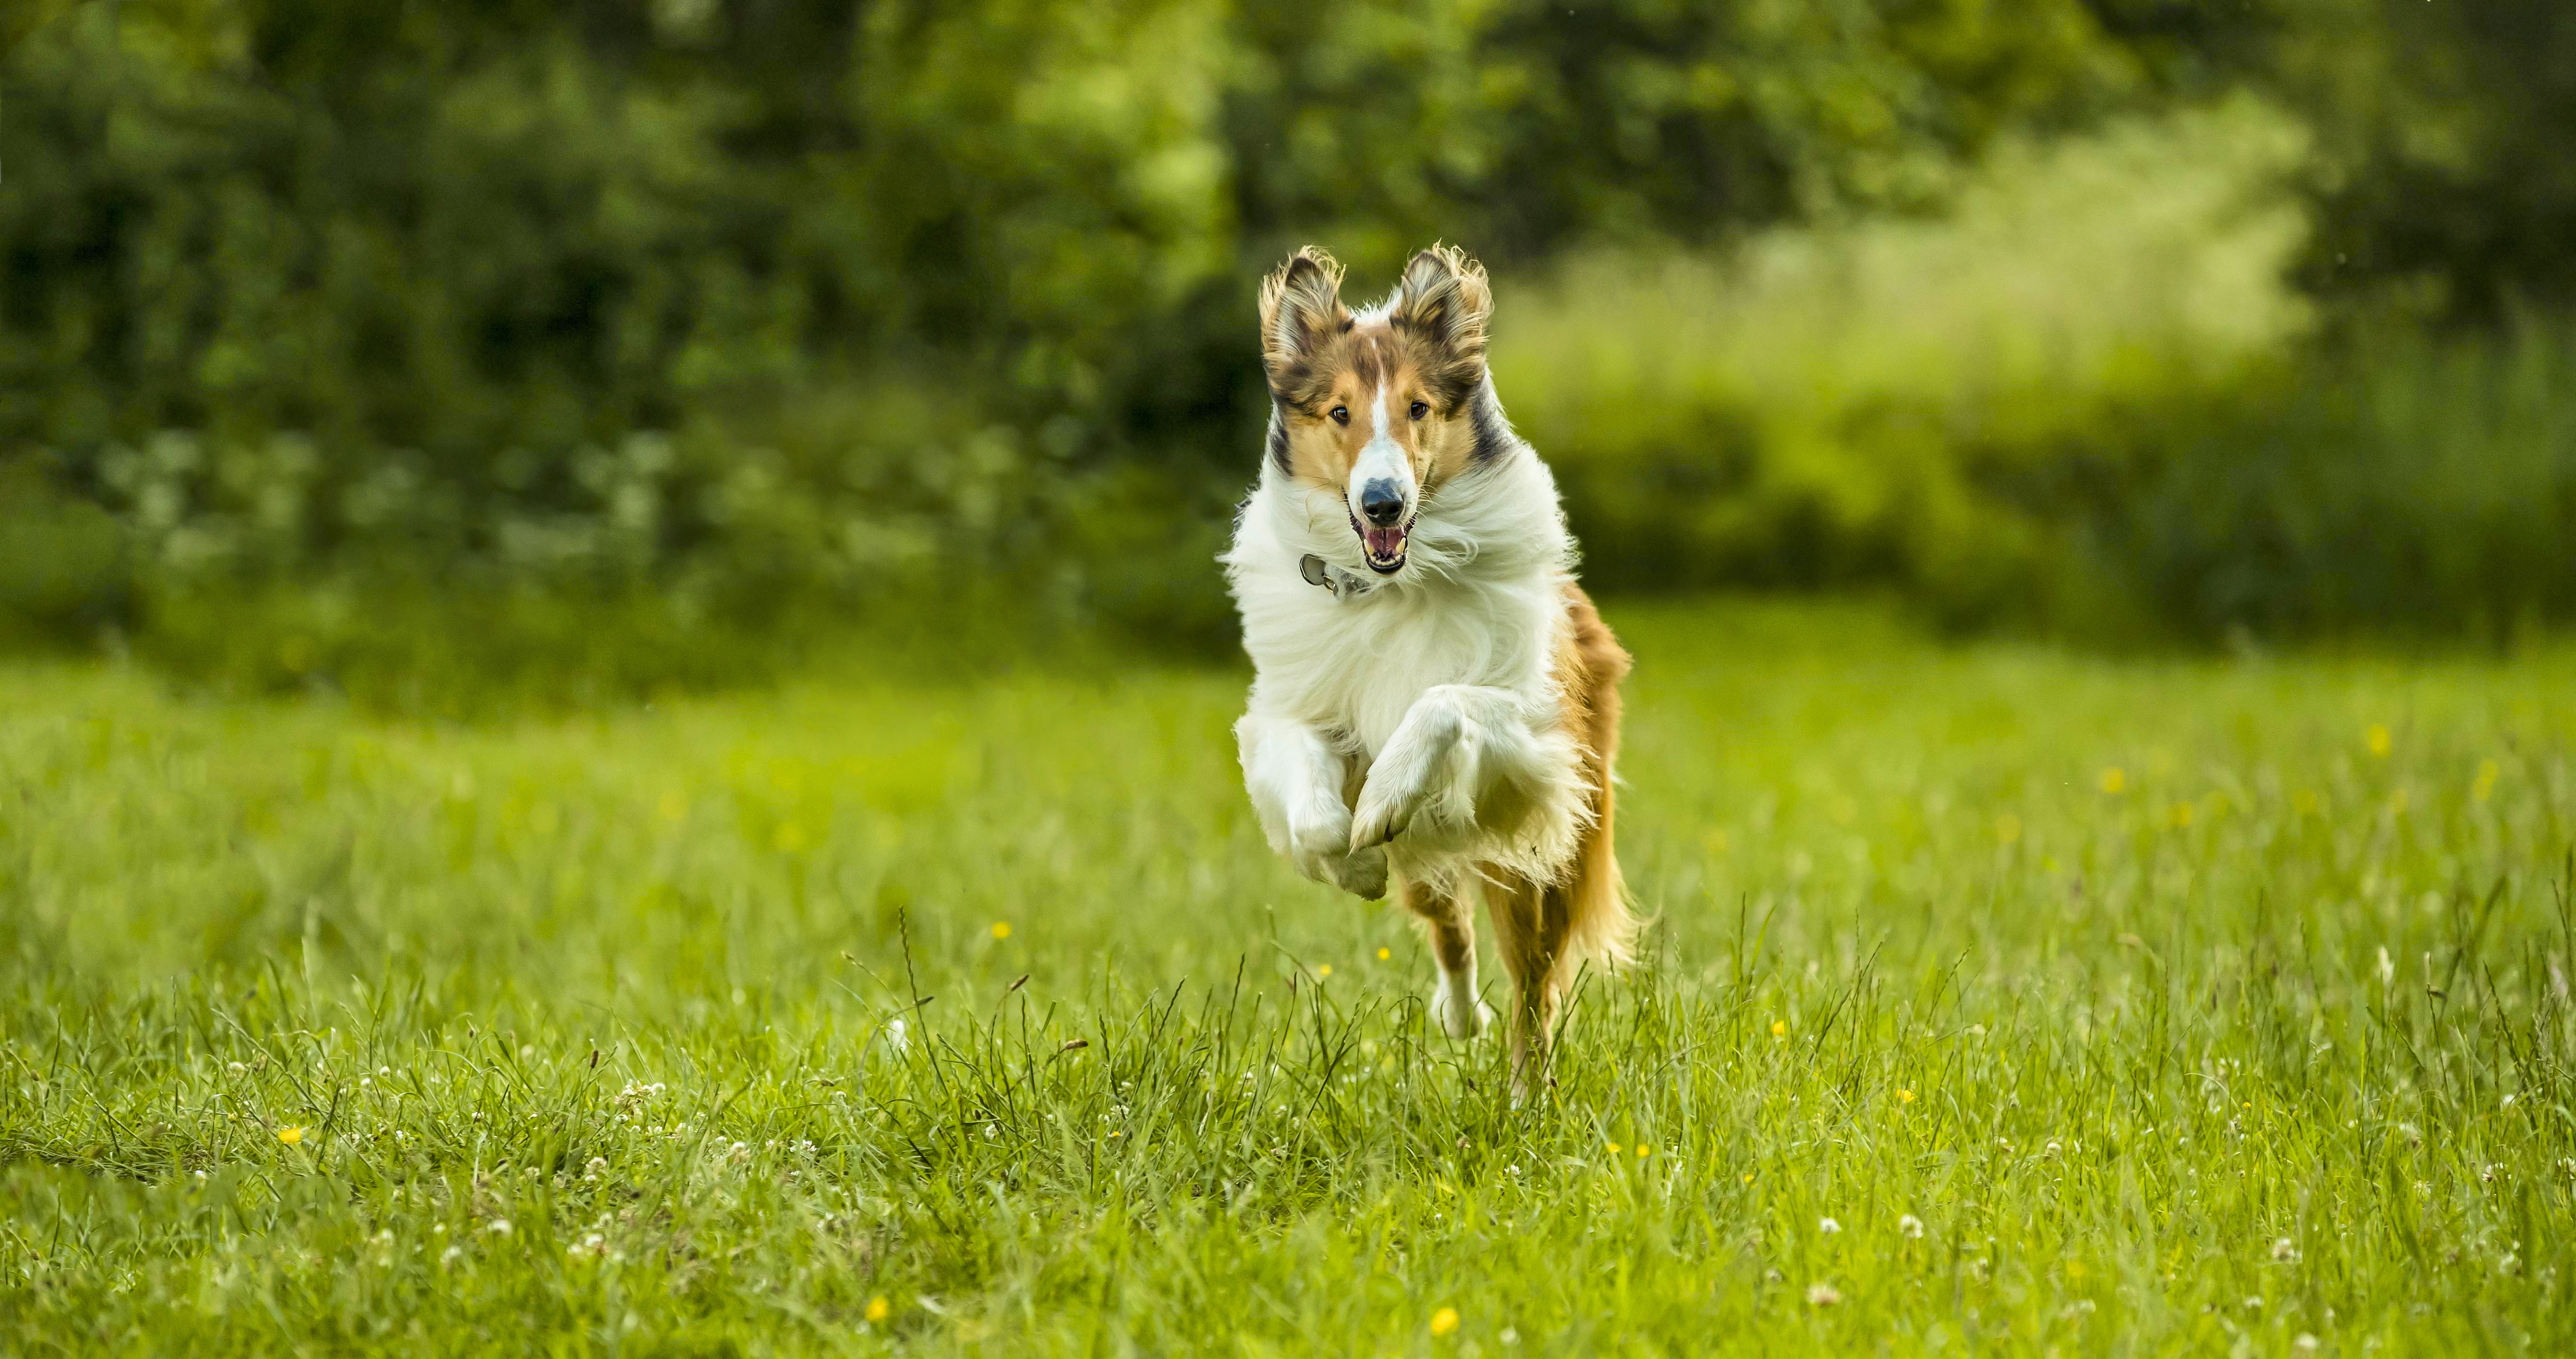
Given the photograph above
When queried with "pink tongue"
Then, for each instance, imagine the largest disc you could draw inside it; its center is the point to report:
(1384, 544)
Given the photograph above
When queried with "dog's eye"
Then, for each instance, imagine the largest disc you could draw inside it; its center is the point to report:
(1421, 409)
(1341, 415)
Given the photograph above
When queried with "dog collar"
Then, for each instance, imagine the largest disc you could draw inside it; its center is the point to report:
(1342, 583)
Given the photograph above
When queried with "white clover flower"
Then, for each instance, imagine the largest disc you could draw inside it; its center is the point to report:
(894, 1032)
(1910, 1227)
(499, 1226)
(1823, 1295)
(1828, 1226)
(2284, 1249)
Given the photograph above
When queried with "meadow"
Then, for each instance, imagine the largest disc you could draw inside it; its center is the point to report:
(1997, 999)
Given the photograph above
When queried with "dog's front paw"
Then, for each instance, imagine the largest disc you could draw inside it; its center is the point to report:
(1407, 777)
(1320, 845)
(1362, 873)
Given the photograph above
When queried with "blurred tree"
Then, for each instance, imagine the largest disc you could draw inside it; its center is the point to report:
(287, 282)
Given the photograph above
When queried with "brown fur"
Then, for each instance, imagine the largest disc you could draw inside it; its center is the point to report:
(1544, 930)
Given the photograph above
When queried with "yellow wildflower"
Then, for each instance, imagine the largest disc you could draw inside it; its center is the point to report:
(290, 1134)
(878, 1307)
(1001, 929)
(1444, 1321)
(2377, 736)
(1905, 1097)
(2114, 779)
(1384, 954)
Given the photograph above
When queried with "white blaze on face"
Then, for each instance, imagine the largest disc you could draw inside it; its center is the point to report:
(1381, 459)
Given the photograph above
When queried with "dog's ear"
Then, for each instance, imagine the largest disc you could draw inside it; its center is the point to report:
(1444, 299)
(1301, 307)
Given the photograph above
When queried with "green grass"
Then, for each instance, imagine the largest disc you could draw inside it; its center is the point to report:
(2121, 1049)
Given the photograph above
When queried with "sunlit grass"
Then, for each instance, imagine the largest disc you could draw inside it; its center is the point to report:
(1993, 996)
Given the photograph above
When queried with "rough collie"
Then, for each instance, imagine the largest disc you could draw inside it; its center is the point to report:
(1435, 706)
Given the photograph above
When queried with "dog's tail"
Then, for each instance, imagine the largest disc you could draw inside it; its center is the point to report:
(1599, 925)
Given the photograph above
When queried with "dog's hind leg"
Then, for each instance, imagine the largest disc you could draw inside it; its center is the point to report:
(1532, 926)
(1452, 931)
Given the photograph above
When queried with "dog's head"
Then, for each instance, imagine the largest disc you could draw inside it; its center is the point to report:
(1377, 405)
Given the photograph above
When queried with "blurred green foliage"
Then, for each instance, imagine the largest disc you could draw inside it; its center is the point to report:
(712, 322)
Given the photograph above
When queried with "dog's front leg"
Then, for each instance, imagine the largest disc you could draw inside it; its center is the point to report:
(1462, 751)
(1295, 778)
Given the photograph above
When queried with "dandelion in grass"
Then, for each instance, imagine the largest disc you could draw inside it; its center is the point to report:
(1823, 1295)
(878, 1307)
(1384, 954)
(1001, 929)
(291, 1134)
(2377, 739)
(1910, 1227)
(2114, 779)
(1615, 1148)
(1748, 1177)
(1779, 1028)
(1905, 1097)
(1323, 970)
(1444, 1321)
(1644, 1151)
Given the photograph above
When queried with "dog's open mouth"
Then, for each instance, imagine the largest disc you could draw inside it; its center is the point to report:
(1383, 546)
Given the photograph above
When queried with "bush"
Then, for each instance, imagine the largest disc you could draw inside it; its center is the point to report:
(1857, 403)
(2401, 484)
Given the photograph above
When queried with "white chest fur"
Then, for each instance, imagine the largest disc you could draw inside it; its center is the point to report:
(1479, 602)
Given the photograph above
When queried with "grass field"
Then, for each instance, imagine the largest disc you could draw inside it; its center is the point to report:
(1996, 1000)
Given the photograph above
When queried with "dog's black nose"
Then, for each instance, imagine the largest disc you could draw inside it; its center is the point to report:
(1382, 503)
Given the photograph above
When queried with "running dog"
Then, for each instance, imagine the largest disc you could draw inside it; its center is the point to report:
(1435, 705)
